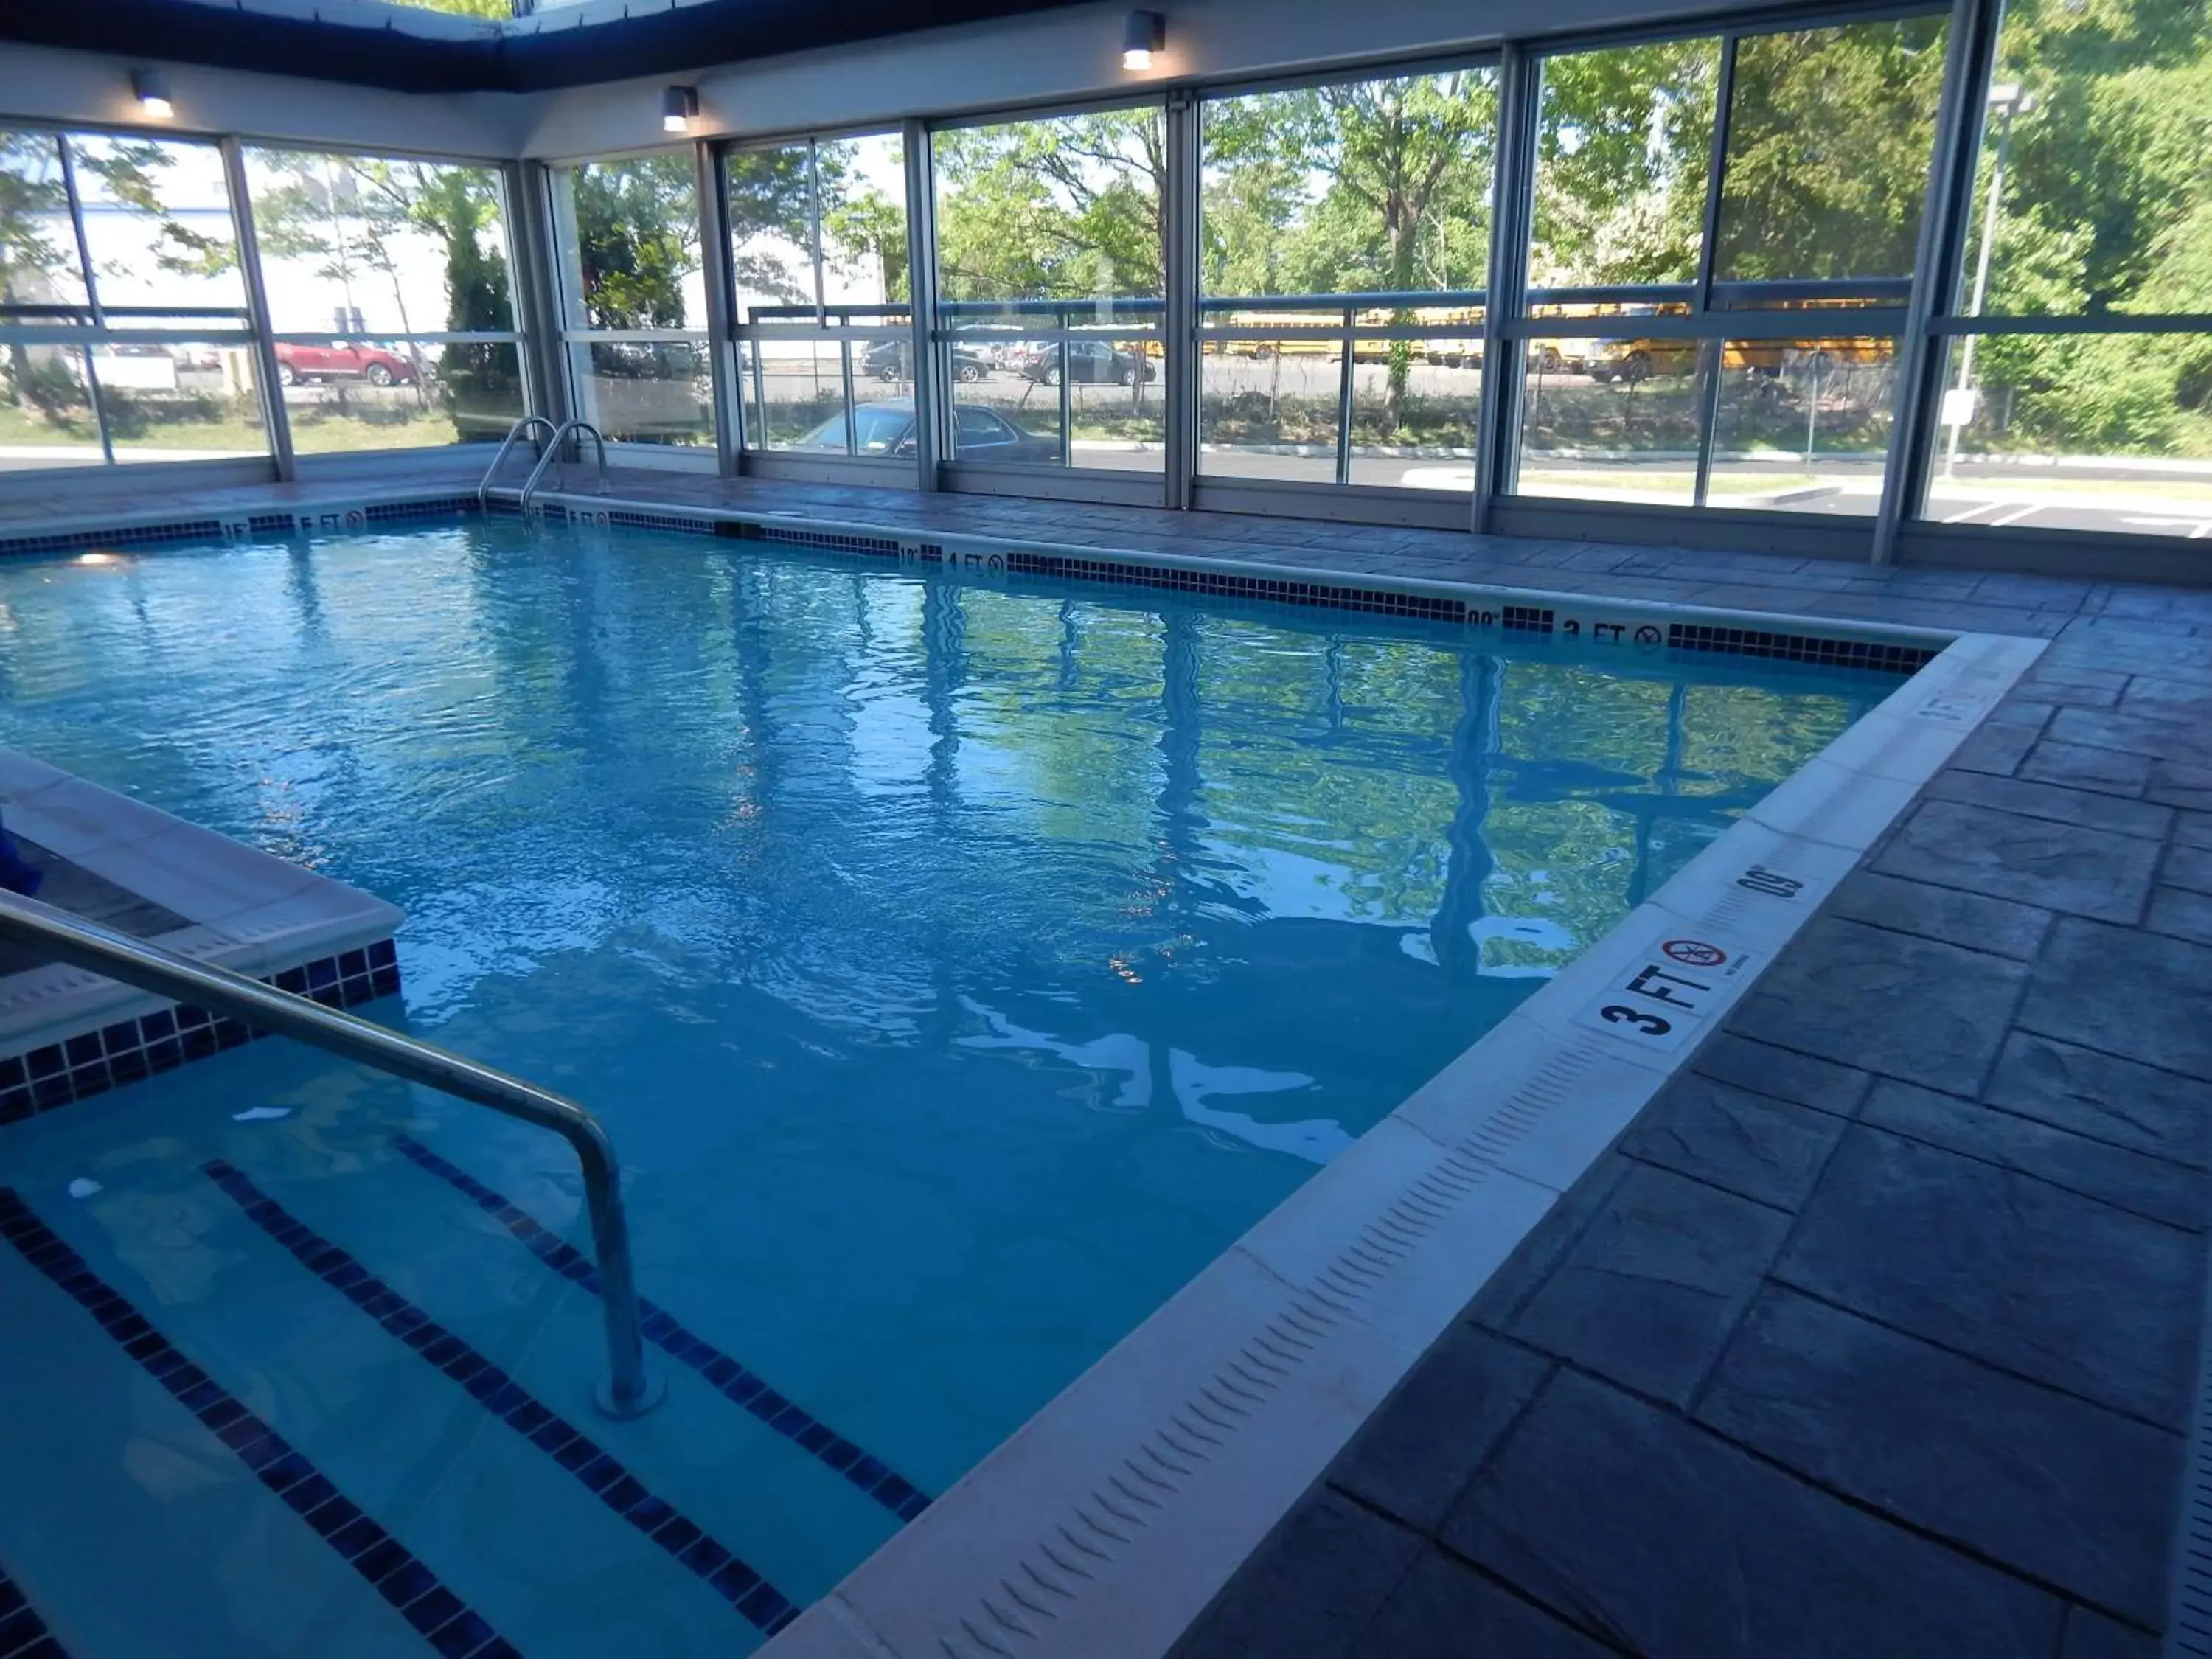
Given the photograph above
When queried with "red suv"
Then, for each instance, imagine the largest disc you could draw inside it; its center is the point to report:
(341, 360)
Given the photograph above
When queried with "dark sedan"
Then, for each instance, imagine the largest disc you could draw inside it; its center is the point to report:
(1089, 362)
(892, 360)
(887, 429)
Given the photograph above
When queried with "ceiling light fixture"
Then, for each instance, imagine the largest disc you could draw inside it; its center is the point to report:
(150, 88)
(1143, 34)
(677, 106)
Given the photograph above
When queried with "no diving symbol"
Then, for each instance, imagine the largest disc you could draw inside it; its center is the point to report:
(1695, 953)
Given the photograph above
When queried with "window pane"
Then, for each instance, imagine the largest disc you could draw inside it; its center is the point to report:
(2078, 431)
(1608, 420)
(1831, 133)
(1269, 408)
(1415, 405)
(1361, 187)
(179, 402)
(46, 413)
(157, 223)
(795, 392)
(771, 234)
(1802, 426)
(864, 220)
(629, 243)
(437, 394)
(39, 263)
(1007, 404)
(1623, 141)
(1066, 208)
(649, 391)
(361, 245)
(2094, 147)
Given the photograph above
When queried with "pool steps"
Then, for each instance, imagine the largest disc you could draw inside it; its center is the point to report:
(302, 1394)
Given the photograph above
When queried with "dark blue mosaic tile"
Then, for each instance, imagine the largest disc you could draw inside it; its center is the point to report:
(372, 1552)
(1886, 656)
(666, 1332)
(23, 1633)
(129, 1050)
(570, 1449)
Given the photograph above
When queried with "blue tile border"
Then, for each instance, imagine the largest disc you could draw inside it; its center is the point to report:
(92, 1062)
(1887, 656)
(451, 1628)
(759, 1601)
(870, 1474)
(24, 1634)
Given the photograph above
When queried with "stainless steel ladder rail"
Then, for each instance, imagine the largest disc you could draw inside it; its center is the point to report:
(630, 1389)
(572, 429)
(527, 424)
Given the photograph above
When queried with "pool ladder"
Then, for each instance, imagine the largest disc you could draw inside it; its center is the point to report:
(630, 1389)
(561, 435)
(527, 424)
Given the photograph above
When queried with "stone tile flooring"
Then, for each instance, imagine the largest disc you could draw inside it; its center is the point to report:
(1875, 1336)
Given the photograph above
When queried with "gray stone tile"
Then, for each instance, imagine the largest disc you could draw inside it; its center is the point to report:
(1678, 1545)
(2104, 1098)
(1308, 1591)
(1783, 1073)
(2031, 799)
(2060, 867)
(1906, 1007)
(2185, 915)
(2153, 1187)
(2137, 994)
(2192, 828)
(2190, 867)
(1998, 749)
(2080, 767)
(2019, 711)
(2048, 1485)
(2176, 783)
(2006, 1268)
(2159, 739)
(1974, 921)
(1418, 1452)
(1444, 1609)
(1649, 1294)
(2090, 1635)
(1767, 1149)
(1547, 1242)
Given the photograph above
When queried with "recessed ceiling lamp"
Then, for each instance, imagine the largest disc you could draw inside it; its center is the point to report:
(678, 106)
(150, 88)
(1143, 34)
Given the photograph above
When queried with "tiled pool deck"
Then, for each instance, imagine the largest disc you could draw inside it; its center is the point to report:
(1878, 1335)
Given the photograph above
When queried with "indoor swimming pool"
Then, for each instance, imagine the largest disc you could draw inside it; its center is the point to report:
(959, 963)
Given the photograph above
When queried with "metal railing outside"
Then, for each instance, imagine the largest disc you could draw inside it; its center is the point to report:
(630, 1389)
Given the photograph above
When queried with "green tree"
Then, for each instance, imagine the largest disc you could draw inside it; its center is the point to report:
(637, 239)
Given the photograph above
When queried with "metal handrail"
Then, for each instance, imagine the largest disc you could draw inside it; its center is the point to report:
(552, 452)
(527, 424)
(629, 1391)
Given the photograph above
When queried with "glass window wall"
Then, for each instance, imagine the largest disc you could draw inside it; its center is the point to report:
(1344, 256)
(389, 291)
(2092, 213)
(824, 307)
(1051, 275)
(634, 298)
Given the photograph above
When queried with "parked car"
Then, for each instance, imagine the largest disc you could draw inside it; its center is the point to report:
(887, 429)
(1089, 362)
(298, 365)
(893, 360)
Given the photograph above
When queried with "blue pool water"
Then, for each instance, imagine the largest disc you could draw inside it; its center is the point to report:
(959, 967)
